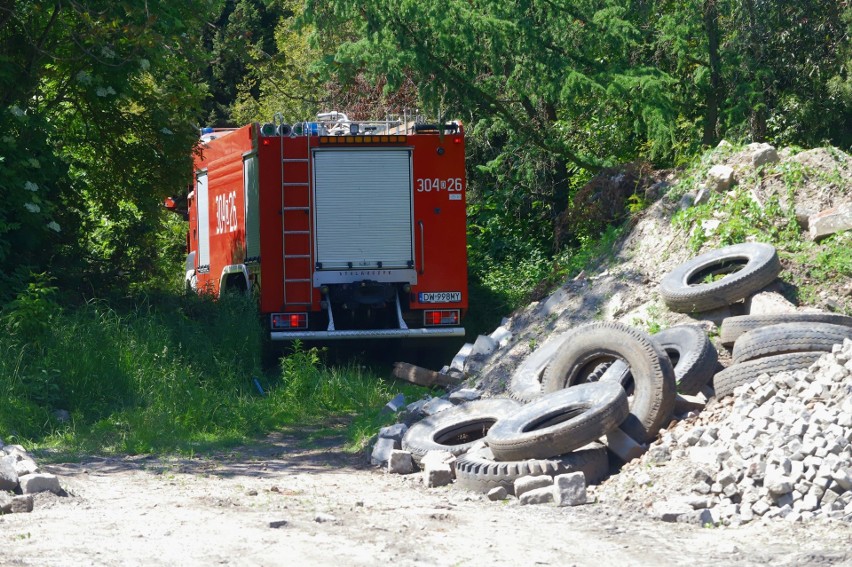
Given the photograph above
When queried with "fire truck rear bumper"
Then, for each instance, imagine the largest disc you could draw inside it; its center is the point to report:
(436, 332)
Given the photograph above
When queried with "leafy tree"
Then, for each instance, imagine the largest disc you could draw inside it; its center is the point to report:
(98, 104)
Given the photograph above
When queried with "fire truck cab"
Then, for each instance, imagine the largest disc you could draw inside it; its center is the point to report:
(342, 229)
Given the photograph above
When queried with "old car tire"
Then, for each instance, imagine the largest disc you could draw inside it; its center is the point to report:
(733, 327)
(692, 355)
(683, 289)
(653, 397)
(559, 422)
(525, 384)
(477, 471)
(788, 337)
(736, 375)
(454, 430)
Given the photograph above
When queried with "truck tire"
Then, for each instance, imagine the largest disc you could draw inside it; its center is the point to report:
(525, 384)
(477, 471)
(691, 353)
(454, 430)
(733, 327)
(736, 375)
(654, 390)
(683, 289)
(788, 337)
(559, 422)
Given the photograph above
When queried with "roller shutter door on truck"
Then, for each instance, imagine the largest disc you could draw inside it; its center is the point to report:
(363, 208)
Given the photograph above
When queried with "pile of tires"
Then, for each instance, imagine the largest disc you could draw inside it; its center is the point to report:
(769, 344)
(581, 386)
(568, 395)
(762, 344)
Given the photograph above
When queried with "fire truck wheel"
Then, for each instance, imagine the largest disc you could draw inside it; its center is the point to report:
(477, 471)
(788, 337)
(746, 268)
(733, 327)
(525, 385)
(654, 389)
(455, 430)
(736, 375)
(559, 422)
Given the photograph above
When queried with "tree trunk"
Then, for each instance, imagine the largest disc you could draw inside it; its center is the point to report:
(714, 95)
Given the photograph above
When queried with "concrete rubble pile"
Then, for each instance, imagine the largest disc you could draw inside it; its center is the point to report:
(778, 449)
(20, 479)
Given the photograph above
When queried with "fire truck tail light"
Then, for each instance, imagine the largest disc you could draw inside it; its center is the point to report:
(287, 321)
(437, 317)
(457, 139)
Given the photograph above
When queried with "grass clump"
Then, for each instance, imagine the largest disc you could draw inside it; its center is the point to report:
(166, 373)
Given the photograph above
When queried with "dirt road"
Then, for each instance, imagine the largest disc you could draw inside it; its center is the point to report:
(329, 508)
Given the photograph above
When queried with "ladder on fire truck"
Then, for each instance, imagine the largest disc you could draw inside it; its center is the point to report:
(296, 230)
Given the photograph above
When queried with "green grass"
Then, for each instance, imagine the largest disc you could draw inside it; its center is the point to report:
(166, 374)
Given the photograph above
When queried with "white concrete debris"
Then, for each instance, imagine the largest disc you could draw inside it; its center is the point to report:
(20, 474)
(779, 449)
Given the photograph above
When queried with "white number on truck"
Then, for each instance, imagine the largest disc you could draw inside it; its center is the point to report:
(226, 212)
(429, 184)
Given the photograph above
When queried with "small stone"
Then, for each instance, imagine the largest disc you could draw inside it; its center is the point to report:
(569, 489)
(542, 495)
(527, 483)
(670, 510)
(8, 474)
(400, 462)
(323, 518)
(498, 493)
(22, 504)
(395, 431)
(275, 524)
(382, 450)
(437, 474)
(40, 482)
(464, 395)
(396, 404)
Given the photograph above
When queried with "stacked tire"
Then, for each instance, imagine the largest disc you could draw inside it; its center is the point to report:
(572, 403)
(769, 344)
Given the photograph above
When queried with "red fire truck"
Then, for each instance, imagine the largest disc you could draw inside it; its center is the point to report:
(342, 229)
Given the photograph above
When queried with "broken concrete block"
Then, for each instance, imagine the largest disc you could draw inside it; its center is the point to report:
(458, 360)
(8, 474)
(464, 395)
(501, 335)
(543, 495)
(438, 458)
(395, 431)
(21, 504)
(436, 405)
(671, 510)
(484, 345)
(569, 489)
(497, 493)
(25, 465)
(720, 178)
(685, 403)
(400, 462)
(437, 474)
(382, 450)
(622, 445)
(5, 502)
(396, 404)
(527, 483)
(40, 482)
(830, 221)
(768, 303)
